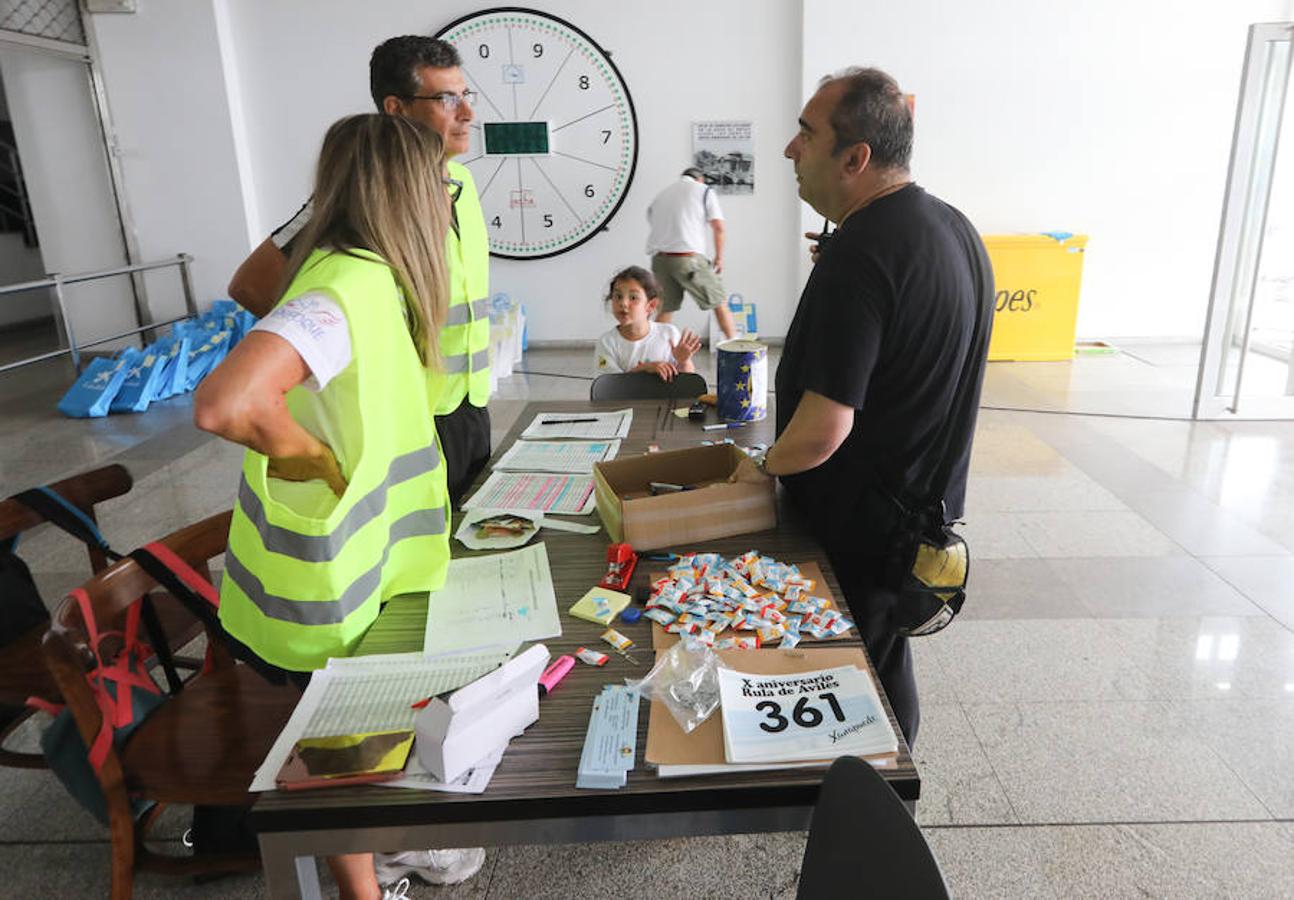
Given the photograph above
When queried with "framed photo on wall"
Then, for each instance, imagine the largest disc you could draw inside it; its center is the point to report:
(725, 152)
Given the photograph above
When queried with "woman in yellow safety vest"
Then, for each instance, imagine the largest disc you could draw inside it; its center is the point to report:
(342, 502)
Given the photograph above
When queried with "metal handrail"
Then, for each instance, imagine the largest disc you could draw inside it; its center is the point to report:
(57, 281)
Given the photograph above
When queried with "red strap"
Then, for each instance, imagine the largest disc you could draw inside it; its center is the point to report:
(87, 618)
(44, 705)
(185, 572)
(118, 712)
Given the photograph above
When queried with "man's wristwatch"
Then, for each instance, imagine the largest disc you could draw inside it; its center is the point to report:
(760, 460)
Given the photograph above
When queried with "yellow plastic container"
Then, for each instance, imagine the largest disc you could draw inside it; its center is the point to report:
(1036, 307)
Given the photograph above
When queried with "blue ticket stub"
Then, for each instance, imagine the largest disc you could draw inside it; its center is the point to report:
(610, 745)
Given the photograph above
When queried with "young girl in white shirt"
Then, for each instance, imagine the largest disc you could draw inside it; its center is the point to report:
(637, 344)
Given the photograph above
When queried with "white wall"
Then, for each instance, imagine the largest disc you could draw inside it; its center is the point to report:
(1107, 117)
(220, 105)
(164, 72)
(66, 174)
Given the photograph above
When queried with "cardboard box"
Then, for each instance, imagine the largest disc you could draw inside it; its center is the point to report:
(713, 509)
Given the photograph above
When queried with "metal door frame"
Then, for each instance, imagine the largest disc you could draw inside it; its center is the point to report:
(88, 54)
(1249, 156)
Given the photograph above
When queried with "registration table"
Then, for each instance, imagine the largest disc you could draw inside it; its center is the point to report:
(532, 798)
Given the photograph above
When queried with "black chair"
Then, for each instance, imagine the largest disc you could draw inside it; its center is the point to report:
(646, 386)
(863, 842)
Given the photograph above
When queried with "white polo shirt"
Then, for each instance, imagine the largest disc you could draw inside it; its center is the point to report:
(680, 217)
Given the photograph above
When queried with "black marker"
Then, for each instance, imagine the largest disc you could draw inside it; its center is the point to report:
(564, 421)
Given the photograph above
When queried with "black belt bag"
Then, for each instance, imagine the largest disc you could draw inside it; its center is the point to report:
(928, 561)
(928, 564)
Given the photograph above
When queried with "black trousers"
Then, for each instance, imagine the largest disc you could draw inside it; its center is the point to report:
(465, 437)
(872, 604)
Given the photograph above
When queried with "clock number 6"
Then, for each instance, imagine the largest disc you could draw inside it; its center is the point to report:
(588, 190)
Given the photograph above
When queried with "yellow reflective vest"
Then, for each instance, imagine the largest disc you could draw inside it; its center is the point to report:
(306, 572)
(465, 339)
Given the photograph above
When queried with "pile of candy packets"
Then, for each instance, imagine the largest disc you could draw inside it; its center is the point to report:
(759, 600)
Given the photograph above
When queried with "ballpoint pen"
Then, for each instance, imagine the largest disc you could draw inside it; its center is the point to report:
(719, 425)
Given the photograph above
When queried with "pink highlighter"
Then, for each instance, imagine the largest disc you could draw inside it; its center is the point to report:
(555, 673)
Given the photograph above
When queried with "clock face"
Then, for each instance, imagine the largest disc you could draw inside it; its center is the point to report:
(555, 140)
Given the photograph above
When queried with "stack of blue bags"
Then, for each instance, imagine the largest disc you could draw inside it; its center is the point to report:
(172, 365)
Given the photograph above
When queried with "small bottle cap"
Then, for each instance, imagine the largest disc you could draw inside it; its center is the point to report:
(630, 615)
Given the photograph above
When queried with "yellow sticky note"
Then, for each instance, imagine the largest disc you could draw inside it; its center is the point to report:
(599, 605)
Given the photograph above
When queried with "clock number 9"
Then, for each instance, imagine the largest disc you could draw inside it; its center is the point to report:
(537, 50)
(483, 51)
(584, 82)
(588, 190)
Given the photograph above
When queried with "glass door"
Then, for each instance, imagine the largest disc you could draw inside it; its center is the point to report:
(1247, 362)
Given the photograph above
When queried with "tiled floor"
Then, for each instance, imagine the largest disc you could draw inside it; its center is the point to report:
(1112, 717)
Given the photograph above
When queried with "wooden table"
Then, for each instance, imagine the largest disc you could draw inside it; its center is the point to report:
(532, 798)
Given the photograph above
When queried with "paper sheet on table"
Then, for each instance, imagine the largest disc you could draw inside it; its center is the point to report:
(474, 781)
(504, 598)
(589, 426)
(371, 693)
(530, 491)
(574, 457)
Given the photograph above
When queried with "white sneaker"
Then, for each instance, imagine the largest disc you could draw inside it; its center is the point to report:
(432, 866)
(397, 891)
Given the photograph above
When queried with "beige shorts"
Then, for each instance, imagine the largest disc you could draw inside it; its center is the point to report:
(693, 274)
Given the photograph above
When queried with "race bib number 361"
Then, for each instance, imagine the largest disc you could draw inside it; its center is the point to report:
(804, 716)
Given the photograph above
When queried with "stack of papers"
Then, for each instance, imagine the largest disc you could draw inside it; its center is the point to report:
(611, 741)
(802, 716)
(589, 426)
(575, 457)
(376, 693)
(535, 492)
(504, 598)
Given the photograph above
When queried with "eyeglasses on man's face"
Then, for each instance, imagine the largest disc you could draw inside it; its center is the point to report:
(447, 99)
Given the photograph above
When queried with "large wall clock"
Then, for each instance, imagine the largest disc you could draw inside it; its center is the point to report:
(555, 141)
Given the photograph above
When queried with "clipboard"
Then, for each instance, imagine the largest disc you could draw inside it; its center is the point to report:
(701, 752)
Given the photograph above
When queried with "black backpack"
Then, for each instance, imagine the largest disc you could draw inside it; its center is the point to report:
(21, 608)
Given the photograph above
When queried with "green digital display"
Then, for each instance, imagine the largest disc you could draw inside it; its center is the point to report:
(503, 138)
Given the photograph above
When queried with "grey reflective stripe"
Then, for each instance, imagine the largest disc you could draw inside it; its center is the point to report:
(423, 523)
(457, 365)
(325, 547)
(459, 313)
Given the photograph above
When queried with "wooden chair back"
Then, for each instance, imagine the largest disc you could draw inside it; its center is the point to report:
(82, 491)
(187, 740)
(22, 670)
(113, 590)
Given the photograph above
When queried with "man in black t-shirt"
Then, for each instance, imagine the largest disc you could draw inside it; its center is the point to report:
(874, 356)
